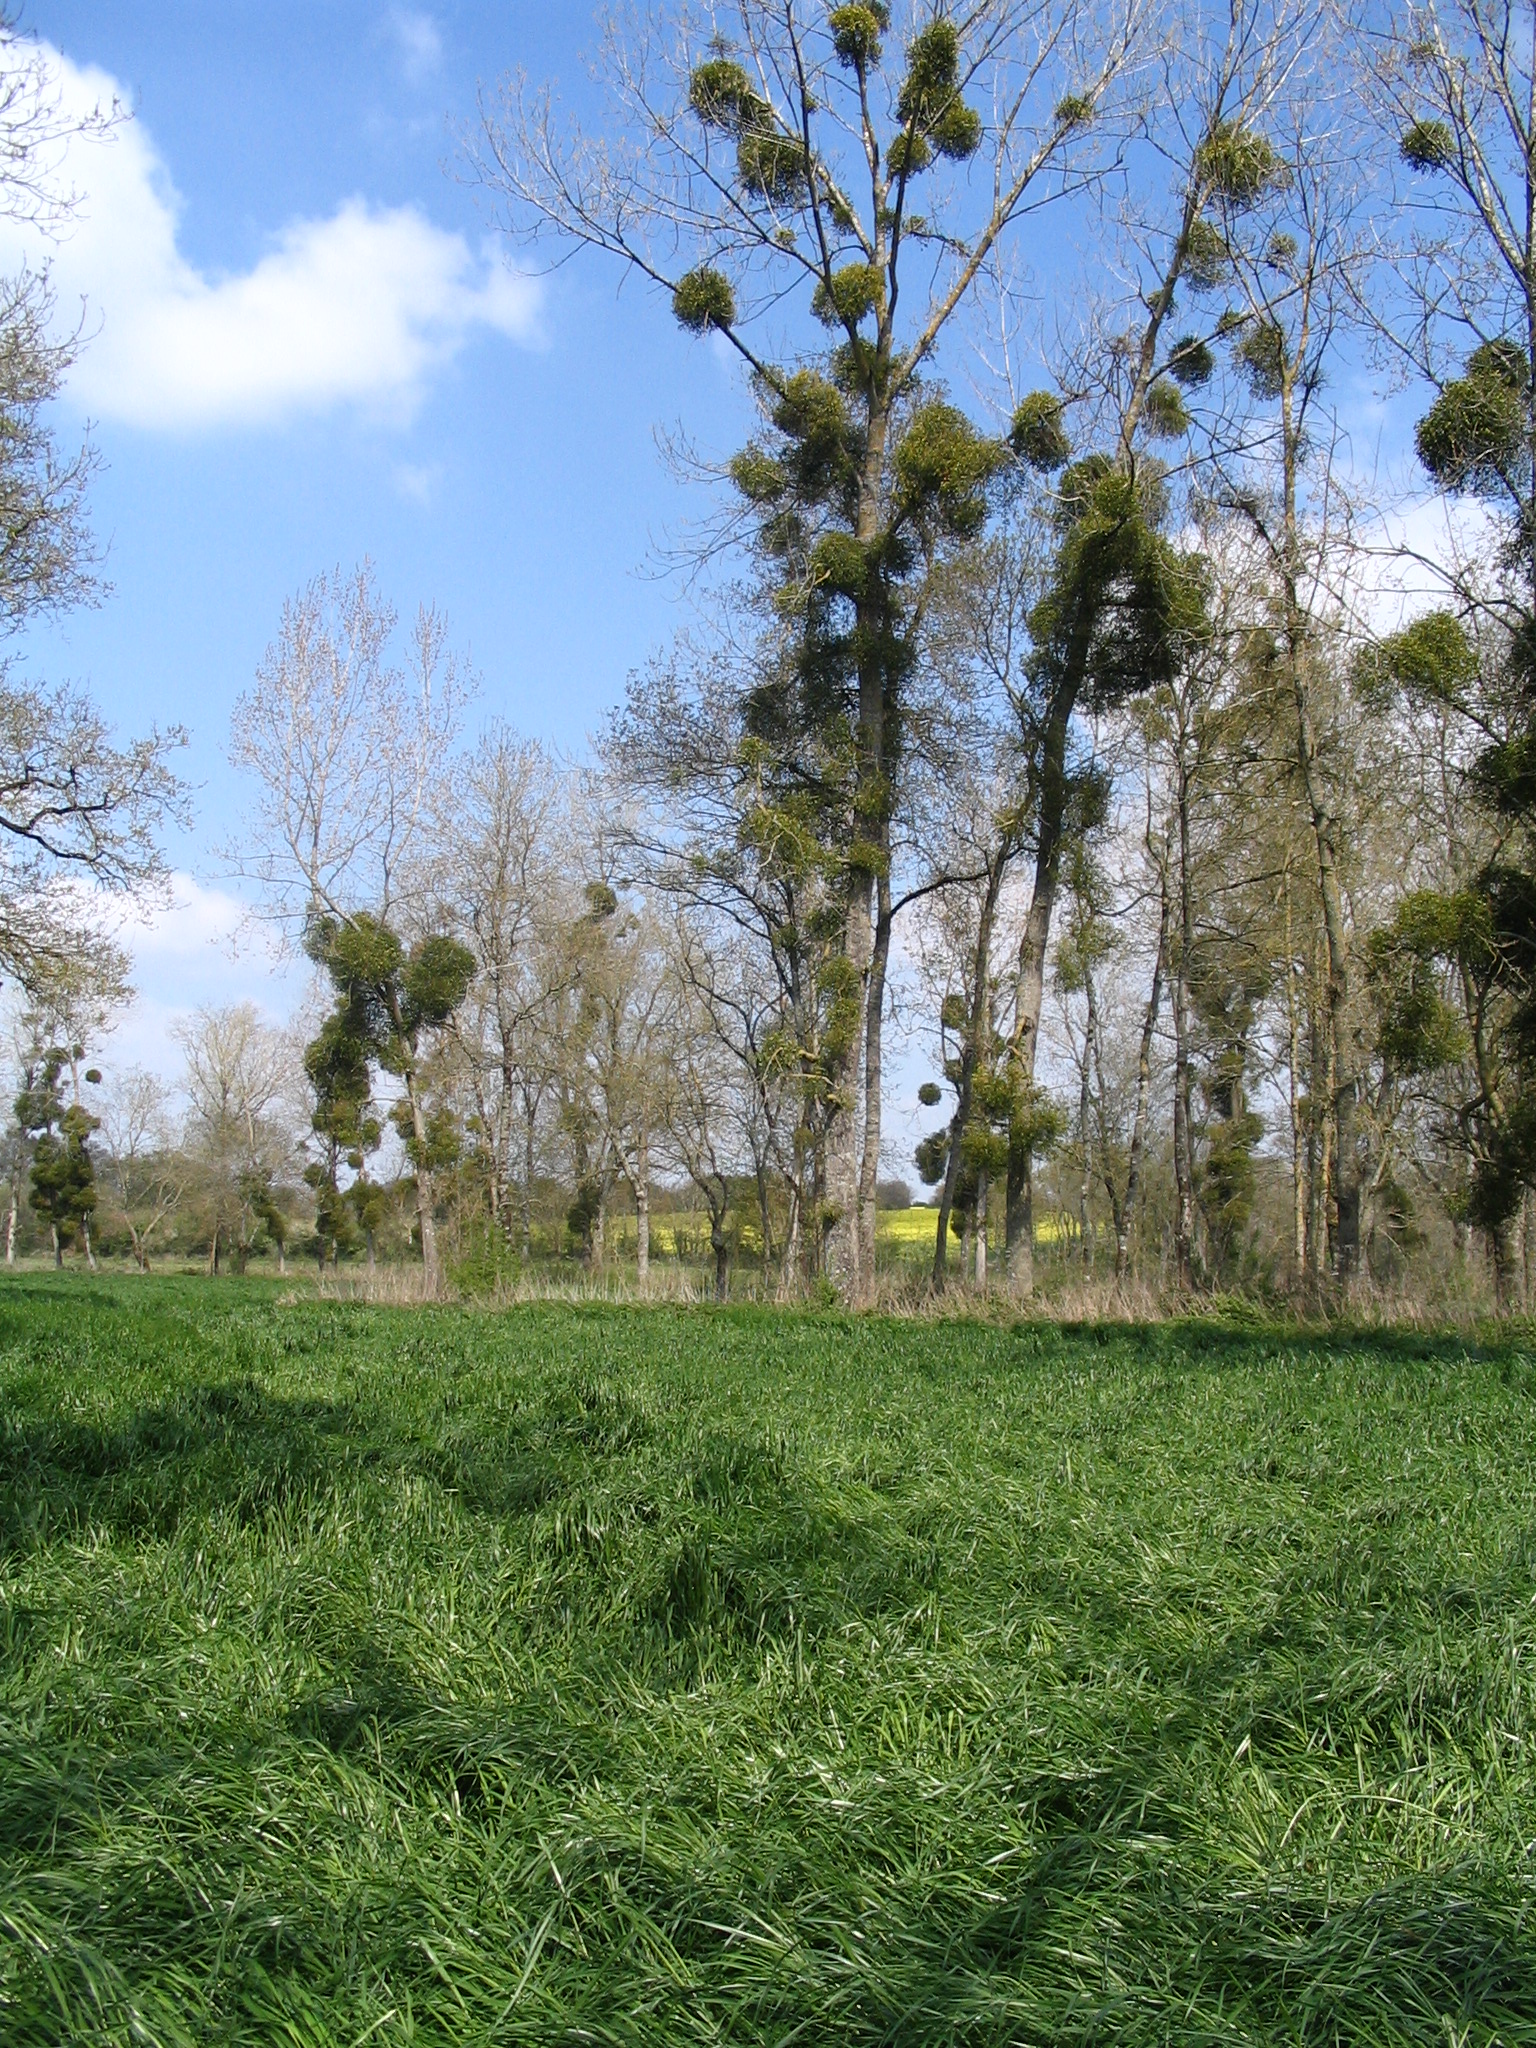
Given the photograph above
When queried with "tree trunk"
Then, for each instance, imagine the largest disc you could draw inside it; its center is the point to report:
(58, 1249)
(1298, 1145)
(1085, 1114)
(643, 1215)
(790, 1264)
(527, 1202)
(977, 1029)
(874, 1025)
(1029, 998)
(1029, 986)
(720, 1246)
(1183, 1137)
(10, 1230)
(764, 1210)
(874, 777)
(981, 1234)
(213, 1252)
(1126, 1220)
(1502, 1254)
(1325, 845)
(845, 1125)
(426, 1222)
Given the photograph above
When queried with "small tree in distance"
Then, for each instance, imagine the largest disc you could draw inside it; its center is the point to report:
(389, 1005)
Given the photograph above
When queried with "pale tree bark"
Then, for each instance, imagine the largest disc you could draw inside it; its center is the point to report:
(1085, 1116)
(1126, 1221)
(643, 1210)
(977, 1034)
(530, 1113)
(1029, 1000)
(426, 1219)
(1183, 1136)
(869, 1168)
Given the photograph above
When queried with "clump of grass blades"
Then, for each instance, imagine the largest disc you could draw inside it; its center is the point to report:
(663, 1676)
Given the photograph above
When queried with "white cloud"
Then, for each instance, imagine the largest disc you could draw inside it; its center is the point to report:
(357, 309)
(417, 41)
(200, 949)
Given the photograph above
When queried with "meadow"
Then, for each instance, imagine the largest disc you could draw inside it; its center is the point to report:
(656, 1675)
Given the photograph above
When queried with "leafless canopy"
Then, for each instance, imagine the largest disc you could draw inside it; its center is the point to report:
(344, 744)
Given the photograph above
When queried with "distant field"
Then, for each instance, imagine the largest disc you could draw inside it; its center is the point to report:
(662, 1676)
(916, 1227)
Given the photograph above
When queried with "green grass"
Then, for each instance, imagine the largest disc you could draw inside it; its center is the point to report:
(657, 1676)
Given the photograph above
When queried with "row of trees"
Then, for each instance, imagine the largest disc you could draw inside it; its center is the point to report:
(1103, 680)
(1075, 724)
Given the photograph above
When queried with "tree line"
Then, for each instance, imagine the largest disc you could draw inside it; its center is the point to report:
(1075, 694)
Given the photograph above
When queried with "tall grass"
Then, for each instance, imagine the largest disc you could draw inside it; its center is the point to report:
(661, 1676)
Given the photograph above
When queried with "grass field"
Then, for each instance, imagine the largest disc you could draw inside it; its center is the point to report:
(658, 1676)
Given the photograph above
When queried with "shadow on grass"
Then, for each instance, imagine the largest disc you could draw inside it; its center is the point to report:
(1102, 1944)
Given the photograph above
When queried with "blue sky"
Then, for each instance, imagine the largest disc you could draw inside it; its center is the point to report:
(306, 348)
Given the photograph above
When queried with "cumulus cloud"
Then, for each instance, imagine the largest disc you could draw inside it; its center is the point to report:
(356, 309)
(197, 949)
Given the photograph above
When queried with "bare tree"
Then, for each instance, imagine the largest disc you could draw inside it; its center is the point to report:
(503, 884)
(79, 814)
(345, 745)
(146, 1170)
(240, 1081)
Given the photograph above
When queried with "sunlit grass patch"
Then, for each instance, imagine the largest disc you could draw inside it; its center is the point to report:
(677, 1676)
